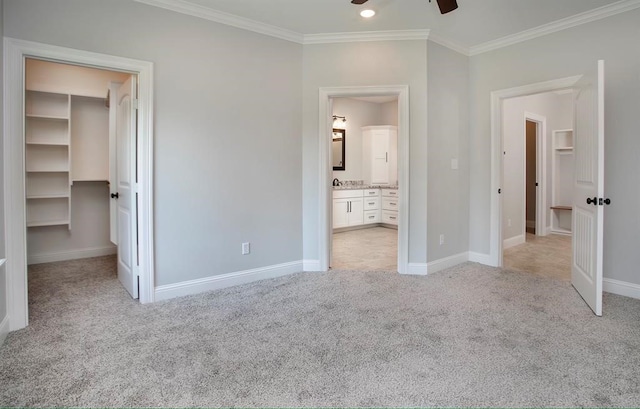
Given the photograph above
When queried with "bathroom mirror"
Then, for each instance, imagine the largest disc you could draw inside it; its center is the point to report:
(338, 148)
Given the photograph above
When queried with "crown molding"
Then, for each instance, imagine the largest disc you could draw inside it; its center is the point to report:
(392, 35)
(185, 7)
(559, 25)
(450, 44)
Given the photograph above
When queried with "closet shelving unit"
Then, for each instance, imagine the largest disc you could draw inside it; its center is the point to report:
(562, 177)
(48, 158)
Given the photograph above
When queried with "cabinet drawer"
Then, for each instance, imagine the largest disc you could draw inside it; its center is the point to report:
(372, 193)
(342, 194)
(389, 217)
(371, 216)
(389, 192)
(371, 203)
(390, 203)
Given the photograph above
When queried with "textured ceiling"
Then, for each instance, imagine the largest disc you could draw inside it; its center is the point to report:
(474, 23)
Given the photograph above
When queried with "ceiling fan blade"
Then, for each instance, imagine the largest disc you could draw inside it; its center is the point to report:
(447, 6)
(358, 1)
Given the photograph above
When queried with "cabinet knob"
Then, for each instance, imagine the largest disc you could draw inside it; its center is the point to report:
(593, 201)
(115, 195)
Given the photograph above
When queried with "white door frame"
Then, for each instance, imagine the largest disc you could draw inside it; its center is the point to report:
(15, 52)
(541, 173)
(497, 99)
(325, 207)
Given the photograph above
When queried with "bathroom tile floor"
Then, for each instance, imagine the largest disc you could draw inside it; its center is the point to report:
(546, 256)
(374, 249)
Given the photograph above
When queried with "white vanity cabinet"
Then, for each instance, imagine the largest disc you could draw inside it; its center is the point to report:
(348, 208)
(371, 206)
(380, 154)
(390, 206)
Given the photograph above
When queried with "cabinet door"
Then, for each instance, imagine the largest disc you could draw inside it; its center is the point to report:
(356, 215)
(340, 215)
(380, 158)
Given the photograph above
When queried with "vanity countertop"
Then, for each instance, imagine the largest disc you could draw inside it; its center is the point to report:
(358, 187)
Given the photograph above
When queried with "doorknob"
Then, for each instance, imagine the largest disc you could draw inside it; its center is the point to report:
(593, 201)
(115, 195)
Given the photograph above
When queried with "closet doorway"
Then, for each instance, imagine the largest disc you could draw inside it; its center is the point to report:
(51, 155)
(365, 187)
(78, 149)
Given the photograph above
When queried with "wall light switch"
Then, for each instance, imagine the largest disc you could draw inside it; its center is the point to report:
(454, 164)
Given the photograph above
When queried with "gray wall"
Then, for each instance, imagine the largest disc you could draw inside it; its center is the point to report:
(448, 208)
(3, 276)
(558, 55)
(227, 128)
(365, 64)
(359, 114)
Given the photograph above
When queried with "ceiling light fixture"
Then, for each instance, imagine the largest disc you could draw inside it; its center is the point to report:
(368, 13)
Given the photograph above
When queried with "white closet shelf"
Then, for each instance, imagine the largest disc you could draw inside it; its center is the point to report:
(48, 223)
(89, 180)
(49, 117)
(50, 170)
(48, 143)
(57, 196)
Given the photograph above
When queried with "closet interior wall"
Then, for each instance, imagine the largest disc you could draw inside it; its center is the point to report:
(67, 161)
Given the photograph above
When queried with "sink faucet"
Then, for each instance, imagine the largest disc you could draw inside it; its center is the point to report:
(336, 182)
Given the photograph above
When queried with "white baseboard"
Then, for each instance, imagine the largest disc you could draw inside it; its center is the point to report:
(311, 265)
(480, 258)
(165, 292)
(621, 288)
(419, 269)
(441, 264)
(513, 241)
(71, 255)
(4, 329)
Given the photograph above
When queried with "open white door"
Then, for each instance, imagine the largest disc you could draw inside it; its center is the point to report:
(588, 198)
(125, 193)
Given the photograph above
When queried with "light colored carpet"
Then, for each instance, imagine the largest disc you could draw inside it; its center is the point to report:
(468, 336)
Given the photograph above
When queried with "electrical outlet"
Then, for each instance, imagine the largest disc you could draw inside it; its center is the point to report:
(508, 222)
(246, 248)
(441, 239)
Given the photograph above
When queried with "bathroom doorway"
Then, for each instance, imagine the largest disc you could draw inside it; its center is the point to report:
(365, 186)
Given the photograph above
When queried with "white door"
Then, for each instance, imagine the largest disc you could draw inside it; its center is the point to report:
(125, 194)
(588, 198)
